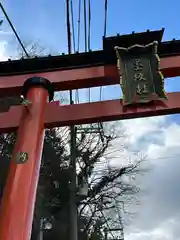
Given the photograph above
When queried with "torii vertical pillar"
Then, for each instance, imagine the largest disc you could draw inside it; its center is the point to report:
(18, 201)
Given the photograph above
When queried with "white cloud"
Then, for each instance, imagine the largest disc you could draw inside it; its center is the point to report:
(6, 33)
(156, 234)
(159, 138)
(164, 231)
(141, 127)
(3, 52)
(172, 135)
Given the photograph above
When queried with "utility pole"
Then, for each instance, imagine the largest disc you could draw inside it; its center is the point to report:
(41, 233)
(105, 234)
(72, 198)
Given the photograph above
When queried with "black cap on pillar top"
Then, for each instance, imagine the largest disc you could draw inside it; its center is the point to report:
(38, 81)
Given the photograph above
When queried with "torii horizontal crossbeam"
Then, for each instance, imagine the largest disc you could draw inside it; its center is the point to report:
(57, 116)
(81, 77)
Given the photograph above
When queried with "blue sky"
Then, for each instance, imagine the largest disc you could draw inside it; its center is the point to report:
(45, 21)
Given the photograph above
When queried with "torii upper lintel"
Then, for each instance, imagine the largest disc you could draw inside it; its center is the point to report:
(84, 77)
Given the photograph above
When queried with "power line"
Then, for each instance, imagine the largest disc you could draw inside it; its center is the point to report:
(100, 94)
(74, 44)
(85, 28)
(76, 96)
(13, 29)
(78, 44)
(105, 27)
(89, 36)
(68, 28)
(79, 24)
(73, 33)
(105, 17)
(89, 25)
(105, 30)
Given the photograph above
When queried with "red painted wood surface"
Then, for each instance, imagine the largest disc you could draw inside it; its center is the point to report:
(56, 115)
(17, 206)
(82, 77)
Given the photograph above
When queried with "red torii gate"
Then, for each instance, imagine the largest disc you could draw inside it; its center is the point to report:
(18, 200)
